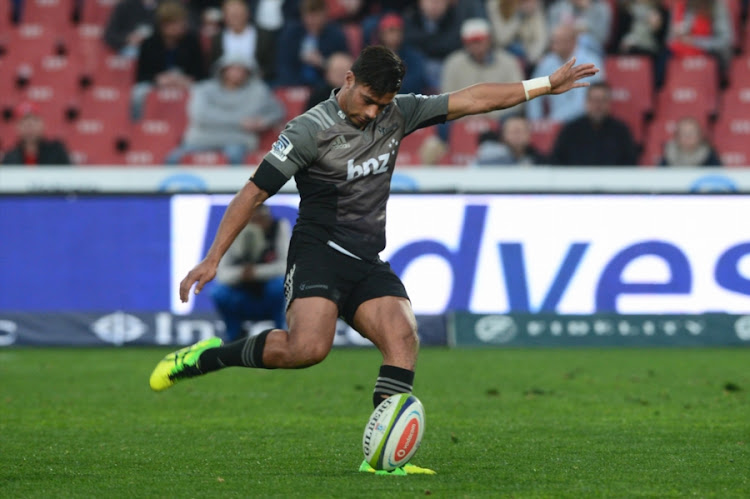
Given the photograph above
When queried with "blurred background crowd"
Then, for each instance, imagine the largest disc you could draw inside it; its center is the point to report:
(211, 82)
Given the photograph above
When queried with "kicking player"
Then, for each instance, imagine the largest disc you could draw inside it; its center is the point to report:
(342, 154)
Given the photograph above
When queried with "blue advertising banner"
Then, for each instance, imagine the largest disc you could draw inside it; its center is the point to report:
(484, 254)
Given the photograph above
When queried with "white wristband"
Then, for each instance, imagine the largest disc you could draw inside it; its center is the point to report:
(536, 87)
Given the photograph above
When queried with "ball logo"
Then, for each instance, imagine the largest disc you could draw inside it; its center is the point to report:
(408, 439)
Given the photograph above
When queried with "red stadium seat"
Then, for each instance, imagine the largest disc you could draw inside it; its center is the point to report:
(115, 71)
(33, 41)
(692, 84)
(408, 152)
(93, 141)
(205, 158)
(150, 142)
(168, 104)
(631, 79)
(107, 103)
(97, 11)
(735, 102)
(732, 139)
(294, 100)
(543, 135)
(47, 12)
(464, 138)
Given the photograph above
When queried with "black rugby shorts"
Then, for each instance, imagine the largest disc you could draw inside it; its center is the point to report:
(316, 269)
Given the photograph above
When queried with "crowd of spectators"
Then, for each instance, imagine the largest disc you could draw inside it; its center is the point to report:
(231, 62)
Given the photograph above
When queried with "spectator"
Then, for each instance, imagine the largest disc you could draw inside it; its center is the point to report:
(477, 62)
(434, 28)
(700, 27)
(240, 36)
(304, 46)
(336, 67)
(390, 33)
(229, 112)
(250, 277)
(129, 24)
(512, 146)
(32, 147)
(171, 57)
(592, 20)
(597, 138)
(689, 146)
(519, 26)
(646, 27)
(571, 104)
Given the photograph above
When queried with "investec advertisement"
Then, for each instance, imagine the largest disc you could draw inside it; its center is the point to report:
(116, 261)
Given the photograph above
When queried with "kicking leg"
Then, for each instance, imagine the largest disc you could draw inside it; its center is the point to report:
(312, 327)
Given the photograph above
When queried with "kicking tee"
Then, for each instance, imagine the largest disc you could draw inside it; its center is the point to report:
(343, 173)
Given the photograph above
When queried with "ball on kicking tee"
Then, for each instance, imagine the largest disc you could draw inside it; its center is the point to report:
(394, 432)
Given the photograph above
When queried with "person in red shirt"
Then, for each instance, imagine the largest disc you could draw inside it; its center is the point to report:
(32, 147)
(700, 27)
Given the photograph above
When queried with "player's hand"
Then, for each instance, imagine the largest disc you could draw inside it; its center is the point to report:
(201, 274)
(567, 76)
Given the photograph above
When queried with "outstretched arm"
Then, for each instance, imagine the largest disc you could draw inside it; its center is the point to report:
(238, 213)
(486, 97)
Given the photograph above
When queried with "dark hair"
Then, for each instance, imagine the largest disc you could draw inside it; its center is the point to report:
(600, 84)
(380, 69)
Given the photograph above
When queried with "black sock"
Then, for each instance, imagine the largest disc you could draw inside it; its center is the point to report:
(392, 380)
(245, 352)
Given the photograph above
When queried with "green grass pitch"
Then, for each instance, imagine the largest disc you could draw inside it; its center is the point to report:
(500, 423)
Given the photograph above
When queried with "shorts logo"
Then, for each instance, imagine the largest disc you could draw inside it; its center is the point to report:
(282, 147)
(305, 286)
(289, 284)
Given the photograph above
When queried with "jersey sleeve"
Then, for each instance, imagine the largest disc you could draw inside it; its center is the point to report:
(294, 149)
(422, 110)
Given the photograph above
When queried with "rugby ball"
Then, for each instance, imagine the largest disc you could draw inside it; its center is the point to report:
(394, 432)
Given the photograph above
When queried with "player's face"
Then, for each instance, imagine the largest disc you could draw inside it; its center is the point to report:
(361, 104)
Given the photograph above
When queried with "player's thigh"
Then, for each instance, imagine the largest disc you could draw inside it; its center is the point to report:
(389, 322)
(312, 326)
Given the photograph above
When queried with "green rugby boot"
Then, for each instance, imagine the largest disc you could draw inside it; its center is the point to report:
(407, 469)
(180, 364)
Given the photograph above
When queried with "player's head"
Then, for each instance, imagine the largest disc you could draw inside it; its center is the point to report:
(371, 84)
(380, 69)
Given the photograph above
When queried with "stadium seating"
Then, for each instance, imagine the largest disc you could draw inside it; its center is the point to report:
(631, 79)
(205, 158)
(464, 135)
(408, 152)
(168, 104)
(150, 141)
(732, 139)
(93, 141)
(691, 86)
(47, 12)
(294, 100)
(543, 135)
(661, 130)
(97, 11)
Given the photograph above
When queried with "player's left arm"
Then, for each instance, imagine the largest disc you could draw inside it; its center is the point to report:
(485, 97)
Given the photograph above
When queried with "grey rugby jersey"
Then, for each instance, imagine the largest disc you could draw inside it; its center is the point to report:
(343, 174)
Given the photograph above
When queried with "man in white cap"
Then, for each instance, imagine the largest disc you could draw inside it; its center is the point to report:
(477, 61)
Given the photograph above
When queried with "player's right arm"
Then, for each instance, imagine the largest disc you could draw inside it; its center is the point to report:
(235, 218)
(485, 97)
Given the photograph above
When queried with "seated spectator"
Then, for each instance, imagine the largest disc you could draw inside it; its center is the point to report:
(229, 112)
(336, 67)
(592, 20)
(646, 27)
(478, 62)
(511, 146)
(689, 146)
(249, 282)
(596, 138)
(700, 27)
(303, 46)
(130, 22)
(433, 28)
(171, 57)
(32, 147)
(238, 36)
(519, 26)
(570, 105)
(390, 33)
